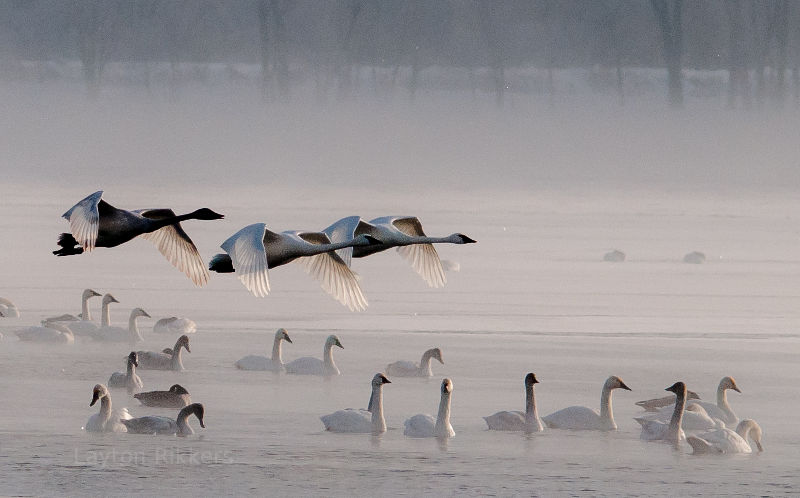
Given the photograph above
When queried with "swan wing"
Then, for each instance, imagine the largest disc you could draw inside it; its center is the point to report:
(254, 362)
(506, 421)
(306, 365)
(421, 425)
(719, 441)
(349, 420)
(151, 425)
(249, 257)
(402, 369)
(84, 220)
(425, 261)
(335, 278)
(342, 231)
(574, 417)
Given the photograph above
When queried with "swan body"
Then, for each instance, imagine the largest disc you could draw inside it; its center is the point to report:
(671, 432)
(82, 321)
(654, 405)
(527, 421)
(721, 410)
(695, 418)
(8, 309)
(155, 360)
(360, 420)
(107, 420)
(176, 397)
(423, 425)
(174, 325)
(119, 334)
(129, 380)
(254, 249)
(83, 327)
(403, 232)
(308, 365)
(584, 418)
(95, 223)
(273, 364)
(410, 369)
(164, 425)
(726, 441)
(52, 333)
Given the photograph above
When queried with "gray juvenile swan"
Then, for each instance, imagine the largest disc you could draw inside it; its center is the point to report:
(176, 397)
(309, 365)
(129, 380)
(403, 232)
(410, 369)
(726, 441)
(584, 418)
(655, 404)
(153, 424)
(95, 223)
(154, 360)
(107, 420)
(527, 421)
(360, 420)
(274, 364)
(254, 249)
(423, 425)
(119, 334)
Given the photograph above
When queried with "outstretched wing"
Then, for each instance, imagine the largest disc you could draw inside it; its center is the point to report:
(246, 249)
(347, 229)
(173, 242)
(332, 273)
(84, 220)
(423, 257)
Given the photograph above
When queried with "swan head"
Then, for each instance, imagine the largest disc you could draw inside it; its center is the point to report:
(437, 354)
(108, 298)
(206, 214)
(140, 312)
(615, 382)
(199, 412)
(447, 386)
(331, 341)
(183, 341)
(379, 379)
(678, 388)
(178, 389)
(99, 392)
(87, 293)
(460, 238)
(282, 334)
(530, 379)
(749, 426)
(133, 358)
(728, 383)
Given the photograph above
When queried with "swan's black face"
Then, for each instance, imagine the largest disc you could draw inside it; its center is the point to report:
(207, 214)
(381, 379)
(677, 388)
(531, 379)
(731, 384)
(285, 336)
(447, 386)
(95, 396)
(133, 358)
(337, 343)
(623, 386)
(465, 239)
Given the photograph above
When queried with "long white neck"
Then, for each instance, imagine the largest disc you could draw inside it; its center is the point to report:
(85, 315)
(177, 362)
(105, 410)
(425, 365)
(105, 317)
(376, 407)
(722, 401)
(276, 351)
(327, 359)
(183, 425)
(134, 329)
(532, 421)
(443, 427)
(606, 410)
(674, 432)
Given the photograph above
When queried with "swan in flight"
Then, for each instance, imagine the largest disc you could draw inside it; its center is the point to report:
(129, 380)
(403, 232)
(50, 332)
(527, 421)
(119, 334)
(309, 365)
(8, 309)
(721, 410)
(175, 326)
(584, 418)
(654, 430)
(254, 249)
(423, 425)
(360, 420)
(726, 441)
(154, 360)
(107, 420)
(95, 223)
(164, 425)
(410, 369)
(274, 364)
(176, 397)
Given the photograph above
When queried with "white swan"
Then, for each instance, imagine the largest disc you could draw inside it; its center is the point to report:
(95, 223)
(403, 232)
(274, 364)
(84, 316)
(129, 380)
(164, 425)
(360, 420)
(8, 309)
(156, 360)
(527, 421)
(52, 333)
(175, 326)
(726, 441)
(721, 410)
(119, 334)
(84, 327)
(654, 430)
(308, 365)
(410, 369)
(254, 249)
(423, 425)
(107, 420)
(695, 418)
(584, 418)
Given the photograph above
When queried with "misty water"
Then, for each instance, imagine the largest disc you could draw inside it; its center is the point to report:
(545, 197)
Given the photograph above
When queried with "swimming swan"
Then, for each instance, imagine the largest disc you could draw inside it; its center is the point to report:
(403, 232)
(129, 379)
(308, 365)
(409, 369)
(654, 430)
(95, 223)
(176, 397)
(527, 421)
(274, 364)
(164, 425)
(584, 418)
(175, 326)
(360, 420)
(726, 441)
(81, 324)
(423, 425)
(154, 360)
(107, 420)
(8, 309)
(695, 418)
(52, 333)
(721, 410)
(254, 249)
(119, 334)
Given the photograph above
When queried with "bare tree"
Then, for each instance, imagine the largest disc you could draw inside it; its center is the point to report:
(669, 15)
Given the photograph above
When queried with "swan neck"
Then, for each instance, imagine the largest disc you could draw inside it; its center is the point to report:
(134, 329)
(327, 358)
(105, 409)
(606, 409)
(276, 351)
(183, 426)
(425, 364)
(442, 427)
(131, 371)
(677, 416)
(722, 400)
(376, 407)
(105, 316)
(177, 362)
(532, 421)
(85, 315)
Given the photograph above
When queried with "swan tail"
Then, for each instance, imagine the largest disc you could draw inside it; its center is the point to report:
(69, 245)
(701, 446)
(221, 263)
